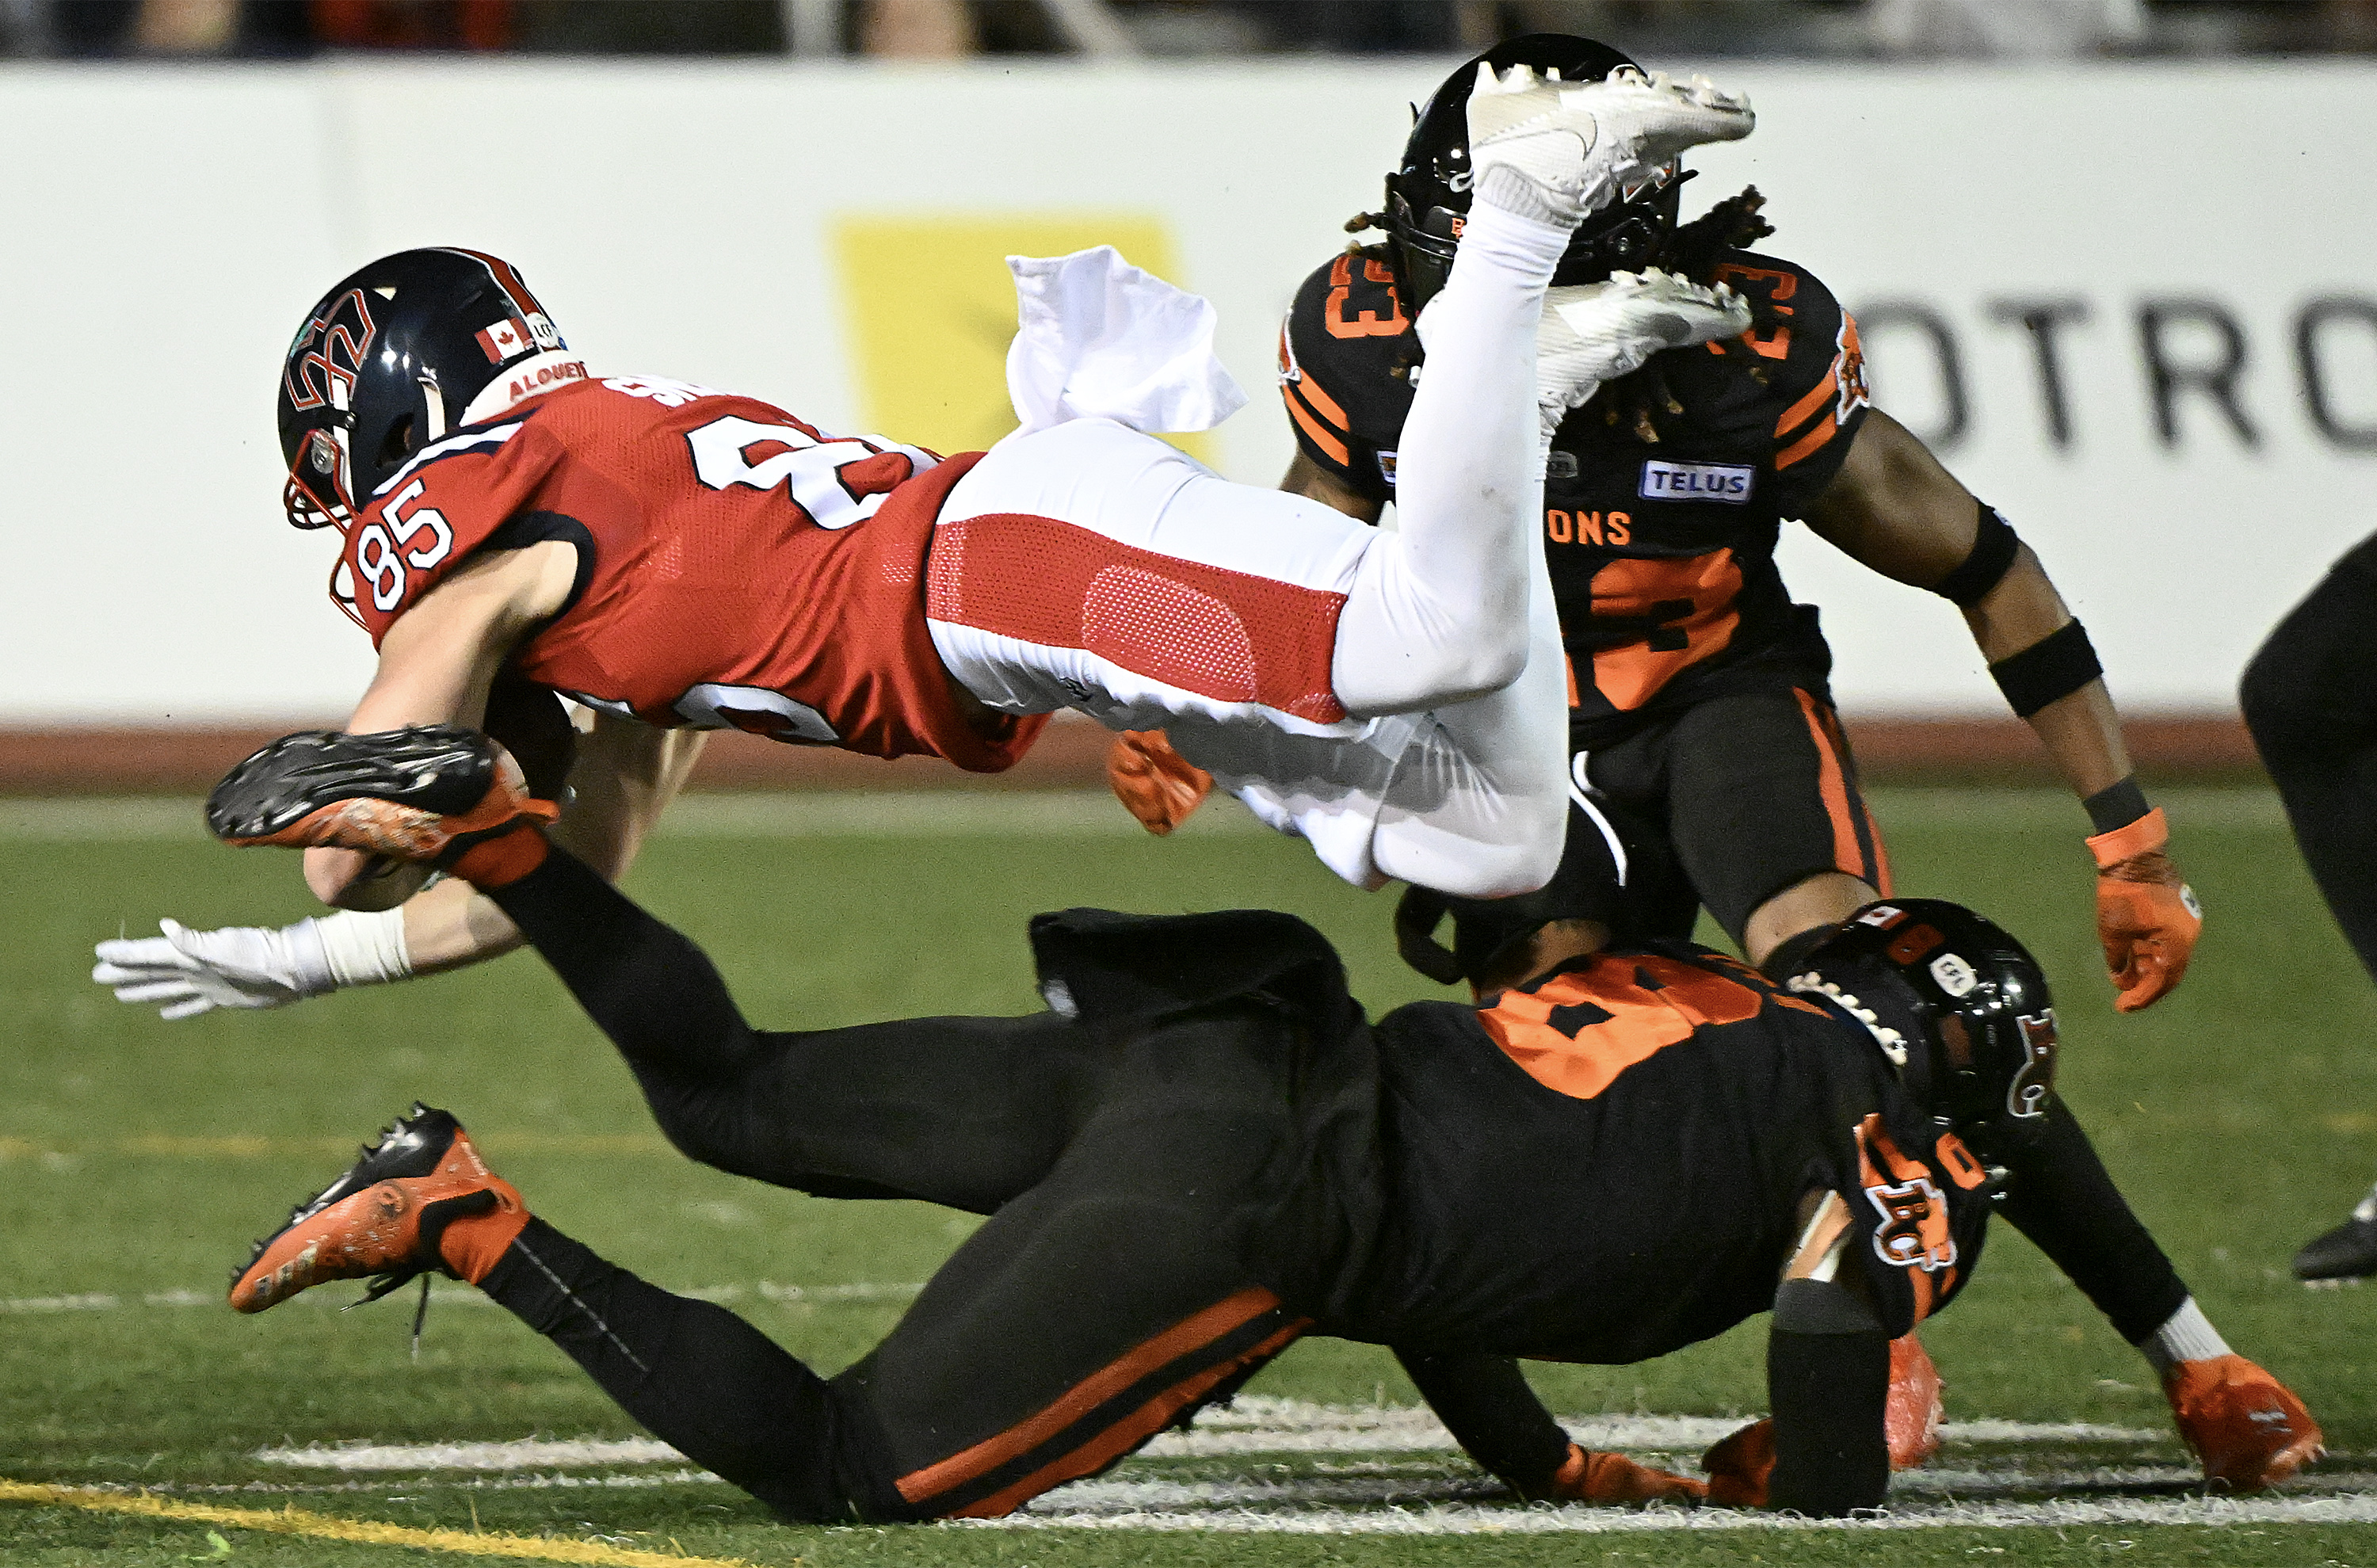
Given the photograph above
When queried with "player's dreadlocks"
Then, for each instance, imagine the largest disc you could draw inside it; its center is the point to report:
(1641, 402)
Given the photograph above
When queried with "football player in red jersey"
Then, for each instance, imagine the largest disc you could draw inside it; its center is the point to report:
(1707, 766)
(673, 555)
(1201, 1151)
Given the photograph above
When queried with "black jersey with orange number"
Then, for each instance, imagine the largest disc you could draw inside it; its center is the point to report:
(1610, 1163)
(1662, 553)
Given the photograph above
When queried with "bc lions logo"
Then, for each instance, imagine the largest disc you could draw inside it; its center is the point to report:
(1849, 370)
(329, 353)
(2027, 1095)
(1907, 1210)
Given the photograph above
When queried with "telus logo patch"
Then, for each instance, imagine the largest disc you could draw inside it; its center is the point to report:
(1723, 482)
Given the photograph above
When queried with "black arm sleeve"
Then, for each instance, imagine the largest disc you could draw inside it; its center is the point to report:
(2063, 1199)
(1828, 1391)
(1494, 1416)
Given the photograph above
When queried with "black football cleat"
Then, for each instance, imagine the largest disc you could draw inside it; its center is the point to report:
(2349, 1251)
(381, 1220)
(425, 793)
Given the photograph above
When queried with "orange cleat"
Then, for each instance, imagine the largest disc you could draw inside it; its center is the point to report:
(2245, 1428)
(1157, 784)
(426, 794)
(386, 1216)
(1910, 1420)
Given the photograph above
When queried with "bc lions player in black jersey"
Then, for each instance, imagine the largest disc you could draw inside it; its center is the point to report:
(1708, 766)
(1706, 747)
(1701, 720)
(1201, 1151)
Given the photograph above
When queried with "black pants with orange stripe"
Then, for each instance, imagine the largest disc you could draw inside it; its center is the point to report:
(1722, 804)
(1141, 1189)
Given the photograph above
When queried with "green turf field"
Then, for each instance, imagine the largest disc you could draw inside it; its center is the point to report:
(138, 1159)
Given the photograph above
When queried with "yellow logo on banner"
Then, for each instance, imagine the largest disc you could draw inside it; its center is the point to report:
(931, 309)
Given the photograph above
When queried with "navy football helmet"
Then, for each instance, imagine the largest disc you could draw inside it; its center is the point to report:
(392, 359)
(1427, 197)
(1960, 1008)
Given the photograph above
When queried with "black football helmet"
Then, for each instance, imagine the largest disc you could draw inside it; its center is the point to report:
(1959, 1007)
(1487, 932)
(389, 361)
(1427, 197)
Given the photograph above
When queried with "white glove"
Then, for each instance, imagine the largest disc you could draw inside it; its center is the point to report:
(188, 972)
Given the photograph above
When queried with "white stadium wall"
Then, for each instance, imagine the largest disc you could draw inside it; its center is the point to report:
(2178, 259)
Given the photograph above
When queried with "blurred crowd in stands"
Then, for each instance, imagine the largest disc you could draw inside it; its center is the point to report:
(950, 29)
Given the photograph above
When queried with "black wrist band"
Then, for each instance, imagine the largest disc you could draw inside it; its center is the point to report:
(1994, 546)
(2055, 666)
(2116, 805)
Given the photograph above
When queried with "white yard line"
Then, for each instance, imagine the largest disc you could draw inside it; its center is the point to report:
(1255, 1425)
(2353, 1508)
(1422, 1498)
(835, 814)
(528, 1453)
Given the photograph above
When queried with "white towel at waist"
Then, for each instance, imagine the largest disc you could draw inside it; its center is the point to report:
(1100, 339)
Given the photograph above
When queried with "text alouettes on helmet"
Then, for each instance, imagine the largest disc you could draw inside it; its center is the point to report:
(399, 354)
(1428, 197)
(1958, 1005)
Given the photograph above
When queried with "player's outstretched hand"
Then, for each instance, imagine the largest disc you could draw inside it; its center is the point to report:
(184, 972)
(1739, 1467)
(1157, 784)
(1612, 1478)
(2146, 914)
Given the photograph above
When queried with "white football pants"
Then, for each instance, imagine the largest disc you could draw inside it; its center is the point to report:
(1397, 699)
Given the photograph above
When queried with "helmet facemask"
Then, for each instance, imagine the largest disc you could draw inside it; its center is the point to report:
(318, 396)
(319, 493)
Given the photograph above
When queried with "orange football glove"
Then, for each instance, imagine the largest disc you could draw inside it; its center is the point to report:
(2146, 916)
(1613, 1477)
(1739, 1467)
(2246, 1427)
(1158, 786)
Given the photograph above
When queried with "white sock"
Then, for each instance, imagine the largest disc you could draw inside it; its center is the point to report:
(2188, 1337)
(1477, 805)
(2366, 1210)
(1443, 600)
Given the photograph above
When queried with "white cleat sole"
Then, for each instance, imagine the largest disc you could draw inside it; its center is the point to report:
(1594, 333)
(1578, 145)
